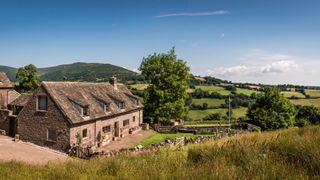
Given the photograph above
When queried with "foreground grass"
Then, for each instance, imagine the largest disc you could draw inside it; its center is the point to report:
(286, 154)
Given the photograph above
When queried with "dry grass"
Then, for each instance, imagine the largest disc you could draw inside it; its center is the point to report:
(286, 154)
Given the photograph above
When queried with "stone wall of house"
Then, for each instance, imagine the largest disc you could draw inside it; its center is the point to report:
(4, 120)
(96, 137)
(33, 125)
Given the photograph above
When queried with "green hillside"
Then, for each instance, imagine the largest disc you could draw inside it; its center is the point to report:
(284, 154)
(79, 72)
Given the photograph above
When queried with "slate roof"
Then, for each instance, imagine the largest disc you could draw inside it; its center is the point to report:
(89, 95)
(5, 81)
(22, 100)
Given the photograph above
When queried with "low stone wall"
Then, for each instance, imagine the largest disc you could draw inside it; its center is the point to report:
(177, 142)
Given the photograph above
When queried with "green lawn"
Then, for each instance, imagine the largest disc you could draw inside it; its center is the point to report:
(313, 93)
(289, 94)
(306, 102)
(211, 102)
(247, 92)
(160, 137)
(217, 89)
(199, 114)
(206, 124)
(139, 87)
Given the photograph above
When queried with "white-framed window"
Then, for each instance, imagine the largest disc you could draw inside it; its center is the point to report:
(85, 133)
(104, 106)
(51, 135)
(42, 103)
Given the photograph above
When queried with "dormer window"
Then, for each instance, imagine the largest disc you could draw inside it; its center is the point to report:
(83, 111)
(134, 101)
(120, 105)
(104, 106)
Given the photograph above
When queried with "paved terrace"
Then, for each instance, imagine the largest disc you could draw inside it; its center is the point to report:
(128, 141)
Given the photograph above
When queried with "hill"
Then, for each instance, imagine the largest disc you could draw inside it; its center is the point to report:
(79, 72)
(284, 154)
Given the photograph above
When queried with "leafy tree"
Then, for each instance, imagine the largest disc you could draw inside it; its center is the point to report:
(214, 116)
(272, 110)
(166, 96)
(309, 113)
(205, 106)
(28, 78)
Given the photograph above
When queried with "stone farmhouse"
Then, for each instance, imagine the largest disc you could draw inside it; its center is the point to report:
(62, 114)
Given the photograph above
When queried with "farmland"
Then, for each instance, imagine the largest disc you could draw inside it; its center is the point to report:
(307, 102)
(212, 88)
(211, 102)
(313, 93)
(289, 94)
(199, 114)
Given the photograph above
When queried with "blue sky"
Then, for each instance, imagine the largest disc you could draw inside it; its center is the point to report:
(274, 41)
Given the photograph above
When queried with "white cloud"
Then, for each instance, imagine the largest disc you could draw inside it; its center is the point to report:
(214, 13)
(254, 70)
(279, 67)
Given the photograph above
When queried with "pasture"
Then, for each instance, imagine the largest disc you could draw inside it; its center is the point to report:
(211, 102)
(289, 94)
(217, 89)
(313, 93)
(199, 114)
(306, 102)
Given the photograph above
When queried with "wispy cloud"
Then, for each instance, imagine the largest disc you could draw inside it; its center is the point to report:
(213, 13)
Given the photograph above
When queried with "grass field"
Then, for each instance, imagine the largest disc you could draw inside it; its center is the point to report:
(217, 89)
(307, 102)
(139, 87)
(211, 102)
(160, 137)
(199, 114)
(313, 93)
(247, 92)
(284, 154)
(289, 94)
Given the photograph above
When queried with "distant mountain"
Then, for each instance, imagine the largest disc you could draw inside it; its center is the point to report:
(95, 72)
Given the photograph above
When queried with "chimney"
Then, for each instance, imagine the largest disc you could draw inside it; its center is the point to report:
(113, 82)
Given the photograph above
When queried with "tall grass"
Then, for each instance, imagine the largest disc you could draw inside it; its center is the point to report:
(286, 154)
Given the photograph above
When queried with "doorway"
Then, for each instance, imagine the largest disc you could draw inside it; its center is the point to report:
(116, 129)
(12, 126)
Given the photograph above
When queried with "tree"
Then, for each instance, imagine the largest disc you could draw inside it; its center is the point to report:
(28, 78)
(272, 110)
(168, 76)
(311, 114)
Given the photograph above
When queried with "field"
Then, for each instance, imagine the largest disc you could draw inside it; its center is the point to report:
(211, 102)
(284, 154)
(289, 94)
(199, 114)
(217, 89)
(247, 92)
(306, 102)
(313, 93)
(139, 87)
(160, 137)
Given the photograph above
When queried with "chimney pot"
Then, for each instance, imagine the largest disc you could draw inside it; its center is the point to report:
(113, 82)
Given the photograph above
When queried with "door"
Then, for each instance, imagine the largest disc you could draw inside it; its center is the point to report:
(12, 126)
(116, 129)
